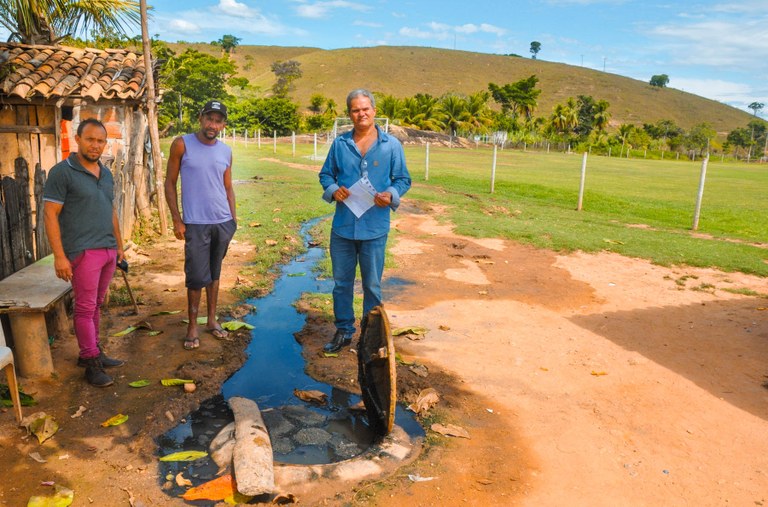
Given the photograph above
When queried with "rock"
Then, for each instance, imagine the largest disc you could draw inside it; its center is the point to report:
(222, 447)
(312, 436)
(302, 415)
(276, 423)
(252, 455)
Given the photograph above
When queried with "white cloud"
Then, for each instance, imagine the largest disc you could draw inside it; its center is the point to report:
(235, 8)
(322, 9)
(735, 94)
(212, 23)
(368, 24)
(180, 25)
(443, 31)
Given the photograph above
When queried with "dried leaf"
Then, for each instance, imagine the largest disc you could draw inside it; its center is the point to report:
(311, 396)
(234, 325)
(420, 370)
(36, 456)
(166, 312)
(254, 224)
(449, 430)
(441, 327)
(62, 498)
(80, 411)
(427, 399)
(270, 242)
(175, 381)
(418, 478)
(40, 424)
(613, 241)
(184, 456)
(115, 420)
(330, 354)
(139, 383)
(182, 481)
(217, 489)
(127, 330)
(154, 333)
(171, 290)
(409, 330)
(599, 373)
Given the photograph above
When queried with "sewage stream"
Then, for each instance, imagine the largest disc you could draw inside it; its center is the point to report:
(299, 433)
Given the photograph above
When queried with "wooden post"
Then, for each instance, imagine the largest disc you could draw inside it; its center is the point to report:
(30, 337)
(493, 169)
(426, 169)
(293, 144)
(581, 183)
(274, 141)
(154, 135)
(700, 194)
(314, 154)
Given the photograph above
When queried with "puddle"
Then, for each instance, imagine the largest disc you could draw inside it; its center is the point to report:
(300, 433)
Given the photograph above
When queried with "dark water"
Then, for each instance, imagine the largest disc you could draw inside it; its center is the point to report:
(300, 433)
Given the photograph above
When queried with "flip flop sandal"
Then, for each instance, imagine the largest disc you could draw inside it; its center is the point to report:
(191, 344)
(218, 332)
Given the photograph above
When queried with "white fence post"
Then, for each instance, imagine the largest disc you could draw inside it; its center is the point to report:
(293, 144)
(700, 193)
(426, 169)
(259, 141)
(493, 169)
(314, 156)
(274, 141)
(581, 183)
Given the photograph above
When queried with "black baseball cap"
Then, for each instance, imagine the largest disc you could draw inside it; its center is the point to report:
(214, 106)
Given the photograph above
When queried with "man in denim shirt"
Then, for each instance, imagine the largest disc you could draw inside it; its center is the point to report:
(365, 153)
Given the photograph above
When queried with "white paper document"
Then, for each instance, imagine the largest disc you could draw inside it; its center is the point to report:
(361, 196)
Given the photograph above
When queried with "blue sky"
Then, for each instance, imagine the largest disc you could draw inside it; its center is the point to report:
(714, 48)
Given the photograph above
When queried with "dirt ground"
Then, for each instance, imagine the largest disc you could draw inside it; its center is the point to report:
(581, 380)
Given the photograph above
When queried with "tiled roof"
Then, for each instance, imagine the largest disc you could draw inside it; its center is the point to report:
(60, 71)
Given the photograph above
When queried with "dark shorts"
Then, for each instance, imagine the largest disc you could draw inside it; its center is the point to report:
(205, 246)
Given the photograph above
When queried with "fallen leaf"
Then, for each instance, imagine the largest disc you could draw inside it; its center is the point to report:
(443, 328)
(40, 424)
(399, 359)
(418, 478)
(409, 330)
(415, 337)
(175, 381)
(62, 498)
(166, 312)
(483, 292)
(450, 430)
(420, 370)
(297, 274)
(613, 241)
(270, 242)
(115, 420)
(154, 333)
(80, 411)
(330, 354)
(139, 383)
(143, 325)
(484, 482)
(64, 456)
(200, 320)
(234, 325)
(184, 456)
(254, 224)
(217, 489)
(599, 373)
(427, 399)
(311, 396)
(127, 330)
(182, 481)
(762, 308)
(36, 456)
(171, 290)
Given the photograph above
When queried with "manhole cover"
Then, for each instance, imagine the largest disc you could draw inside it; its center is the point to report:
(376, 371)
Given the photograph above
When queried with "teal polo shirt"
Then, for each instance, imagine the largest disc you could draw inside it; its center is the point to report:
(86, 216)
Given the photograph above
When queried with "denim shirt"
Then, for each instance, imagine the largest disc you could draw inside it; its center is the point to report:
(384, 164)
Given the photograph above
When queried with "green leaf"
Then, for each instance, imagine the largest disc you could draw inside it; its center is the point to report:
(154, 333)
(297, 274)
(184, 456)
(331, 354)
(43, 427)
(200, 320)
(62, 498)
(409, 330)
(139, 383)
(166, 312)
(175, 382)
(234, 325)
(127, 330)
(115, 420)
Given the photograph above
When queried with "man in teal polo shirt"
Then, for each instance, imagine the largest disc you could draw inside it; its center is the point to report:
(84, 233)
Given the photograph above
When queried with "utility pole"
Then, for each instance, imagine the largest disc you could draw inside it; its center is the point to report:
(604, 64)
(154, 135)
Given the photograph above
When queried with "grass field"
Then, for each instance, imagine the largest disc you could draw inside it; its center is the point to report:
(633, 207)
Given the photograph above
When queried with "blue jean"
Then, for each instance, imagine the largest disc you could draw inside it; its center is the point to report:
(346, 254)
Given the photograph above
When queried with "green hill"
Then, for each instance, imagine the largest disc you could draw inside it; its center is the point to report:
(406, 71)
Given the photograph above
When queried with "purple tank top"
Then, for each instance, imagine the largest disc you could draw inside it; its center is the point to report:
(203, 197)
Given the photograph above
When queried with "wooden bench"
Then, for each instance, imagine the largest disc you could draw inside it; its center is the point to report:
(26, 296)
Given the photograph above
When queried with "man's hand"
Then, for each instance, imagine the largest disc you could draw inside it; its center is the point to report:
(63, 268)
(179, 229)
(382, 199)
(341, 194)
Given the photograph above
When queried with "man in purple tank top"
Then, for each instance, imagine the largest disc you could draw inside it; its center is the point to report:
(208, 219)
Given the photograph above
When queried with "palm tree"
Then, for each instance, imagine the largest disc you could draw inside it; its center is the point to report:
(455, 110)
(49, 21)
(601, 116)
(391, 107)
